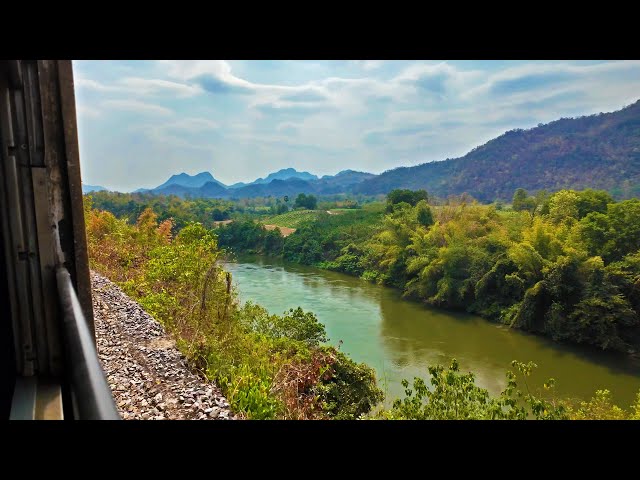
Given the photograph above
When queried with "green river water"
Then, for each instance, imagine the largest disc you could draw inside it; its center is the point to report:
(400, 338)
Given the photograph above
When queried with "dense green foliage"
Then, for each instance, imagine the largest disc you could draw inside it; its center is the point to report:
(553, 273)
(566, 265)
(268, 366)
(320, 237)
(131, 205)
(395, 197)
(331, 237)
(455, 396)
(306, 201)
(532, 269)
(268, 210)
(249, 236)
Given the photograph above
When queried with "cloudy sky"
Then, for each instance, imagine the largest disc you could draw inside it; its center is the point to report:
(141, 121)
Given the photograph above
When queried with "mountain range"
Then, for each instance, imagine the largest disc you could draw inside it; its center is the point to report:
(86, 188)
(284, 174)
(287, 181)
(597, 151)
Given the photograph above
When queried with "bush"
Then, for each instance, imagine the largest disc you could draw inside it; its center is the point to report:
(599, 408)
(455, 396)
(349, 390)
(294, 324)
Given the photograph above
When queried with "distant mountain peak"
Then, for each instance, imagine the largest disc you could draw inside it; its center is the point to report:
(201, 176)
(285, 174)
(192, 181)
(86, 188)
(348, 172)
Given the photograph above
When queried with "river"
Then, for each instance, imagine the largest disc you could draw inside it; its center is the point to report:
(400, 338)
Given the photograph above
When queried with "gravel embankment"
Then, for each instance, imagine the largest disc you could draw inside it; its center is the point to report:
(149, 377)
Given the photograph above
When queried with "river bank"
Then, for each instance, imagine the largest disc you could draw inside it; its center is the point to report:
(399, 338)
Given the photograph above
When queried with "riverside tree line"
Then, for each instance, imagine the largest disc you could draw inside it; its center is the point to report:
(566, 265)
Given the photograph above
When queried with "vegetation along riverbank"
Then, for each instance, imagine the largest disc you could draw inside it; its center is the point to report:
(564, 265)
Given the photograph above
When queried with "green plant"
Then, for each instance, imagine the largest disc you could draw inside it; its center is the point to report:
(455, 396)
(599, 407)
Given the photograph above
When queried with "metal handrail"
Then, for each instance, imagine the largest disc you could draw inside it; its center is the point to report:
(91, 395)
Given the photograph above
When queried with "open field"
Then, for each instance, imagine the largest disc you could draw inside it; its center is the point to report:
(294, 218)
(283, 230)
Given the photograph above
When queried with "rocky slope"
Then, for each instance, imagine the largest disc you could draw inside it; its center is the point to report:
(149, 377)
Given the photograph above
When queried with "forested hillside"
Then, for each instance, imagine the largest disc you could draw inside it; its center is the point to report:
(598, 151)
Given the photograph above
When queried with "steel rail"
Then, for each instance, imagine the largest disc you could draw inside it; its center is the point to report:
(90, 392)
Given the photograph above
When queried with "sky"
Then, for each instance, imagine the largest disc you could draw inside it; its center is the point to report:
(139, 122)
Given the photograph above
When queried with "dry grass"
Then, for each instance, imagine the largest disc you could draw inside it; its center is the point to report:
(285, 231)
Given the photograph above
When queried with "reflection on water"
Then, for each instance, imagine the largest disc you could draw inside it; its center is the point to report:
(400, 338)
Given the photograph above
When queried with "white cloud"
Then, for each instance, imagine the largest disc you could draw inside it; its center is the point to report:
(93, 85)
(190, 69)
(552, 72)
(326, 106)
(416, 72)
(136, 106)
(348, 94)
(141, 86)
(150, 86)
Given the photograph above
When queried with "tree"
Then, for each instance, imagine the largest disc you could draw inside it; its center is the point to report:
(295, 324)
(301, 201)
(624, 235)
(614, 234)
(306, 201)
(407, 196)
(312, 202)
(519, 196)
(592, 201)
(522, 201)
(424, 215)
(599, 407)
(563, 206)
